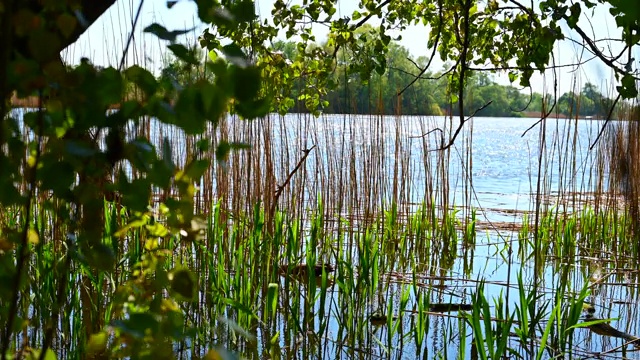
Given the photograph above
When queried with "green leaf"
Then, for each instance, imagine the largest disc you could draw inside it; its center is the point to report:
(249, 77)
(56, 176)
(212, 101)
(136, 194)
(213, 55)
(628, 89)
(97, 343)
(101, 257)
(44, 45)
(184, 283)
(235, 55)
(272, 299)
(143, 78)
(576, 10)
(203, 145)
(9, 194)
(162, 33)
(190, 111)
(110, 88)
(67, 24)
(137, 325)
(547, 332)
(244, 10)
(182, 53)
(196, 168)
(254, 109)
(80, 149)
(224, 148)
(142, 154)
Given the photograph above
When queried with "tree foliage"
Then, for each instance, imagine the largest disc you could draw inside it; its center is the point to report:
(429, 95)
(470, 35)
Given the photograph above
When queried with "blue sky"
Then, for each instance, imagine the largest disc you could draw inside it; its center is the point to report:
(104, 47)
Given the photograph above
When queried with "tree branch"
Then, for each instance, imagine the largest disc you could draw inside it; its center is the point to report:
(280, 188)
(599, 54)
(461, 125)
(463, 70)
(433, 53)
(613, 106)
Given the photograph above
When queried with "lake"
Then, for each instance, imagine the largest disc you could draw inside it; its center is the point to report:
(411, 233)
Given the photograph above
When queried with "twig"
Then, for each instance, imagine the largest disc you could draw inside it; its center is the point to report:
(544, 116)
(599, 54)
(427, 133)
(463, 70)
(286, 182)
(555, 102)
(433, 53)
(503, 68)
(444, 147)
(419, 76)
(606, 122)
(133, 28)
(462, 121)
(618, 348)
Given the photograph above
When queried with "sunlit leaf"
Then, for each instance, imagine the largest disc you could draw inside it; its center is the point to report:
(32, 237)
(97, 343)
(36, 354)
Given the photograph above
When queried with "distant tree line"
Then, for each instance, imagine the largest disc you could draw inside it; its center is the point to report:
(428, 95)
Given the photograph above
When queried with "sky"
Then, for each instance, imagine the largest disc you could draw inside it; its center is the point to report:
(104, 46)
